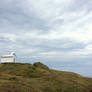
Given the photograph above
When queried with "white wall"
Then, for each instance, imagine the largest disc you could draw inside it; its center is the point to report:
(6, 60)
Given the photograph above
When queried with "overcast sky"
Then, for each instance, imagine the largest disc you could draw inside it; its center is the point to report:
(58, 32)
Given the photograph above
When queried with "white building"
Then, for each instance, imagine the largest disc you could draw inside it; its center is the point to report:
(8, 58)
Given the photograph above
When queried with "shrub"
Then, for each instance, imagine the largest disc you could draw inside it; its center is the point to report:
(40, 65)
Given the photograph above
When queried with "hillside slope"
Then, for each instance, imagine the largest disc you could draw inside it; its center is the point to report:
(18, 77)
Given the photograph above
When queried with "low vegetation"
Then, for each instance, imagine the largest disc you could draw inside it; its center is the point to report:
(18, 77)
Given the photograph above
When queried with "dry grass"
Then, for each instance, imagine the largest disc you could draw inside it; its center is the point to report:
(39, 78)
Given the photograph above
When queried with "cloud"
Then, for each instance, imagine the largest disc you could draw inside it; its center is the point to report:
(59, 28)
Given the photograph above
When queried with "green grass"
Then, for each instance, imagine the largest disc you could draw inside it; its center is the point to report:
(18, 77)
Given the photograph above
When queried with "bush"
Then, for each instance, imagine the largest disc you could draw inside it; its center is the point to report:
(40, 65)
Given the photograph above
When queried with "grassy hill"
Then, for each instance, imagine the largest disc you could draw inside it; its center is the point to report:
(37, 77)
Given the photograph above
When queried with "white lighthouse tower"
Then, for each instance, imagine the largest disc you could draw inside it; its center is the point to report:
(8, 58)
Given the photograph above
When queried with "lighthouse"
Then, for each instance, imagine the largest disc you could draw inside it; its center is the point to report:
(11, 58)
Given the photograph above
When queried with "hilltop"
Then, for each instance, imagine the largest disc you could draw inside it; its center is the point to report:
(37, 77)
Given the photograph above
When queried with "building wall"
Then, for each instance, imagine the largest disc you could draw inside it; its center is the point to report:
(7, 60)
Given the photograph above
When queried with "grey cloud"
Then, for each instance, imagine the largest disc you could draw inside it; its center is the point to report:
(15, 16)
(80, 5)
(18, 17)
(53, 45)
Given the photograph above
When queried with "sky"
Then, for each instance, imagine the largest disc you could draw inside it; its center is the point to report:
(55, 32)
